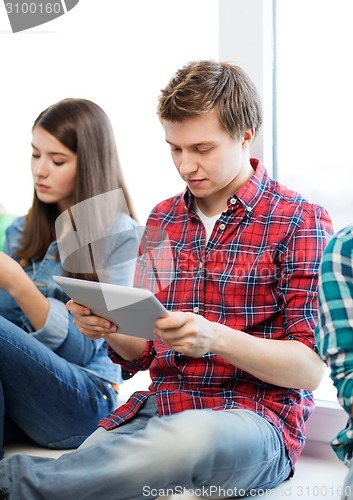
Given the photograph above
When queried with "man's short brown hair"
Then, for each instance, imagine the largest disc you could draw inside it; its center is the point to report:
(202, 85)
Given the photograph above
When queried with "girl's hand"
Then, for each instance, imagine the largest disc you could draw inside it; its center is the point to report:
(12, 274)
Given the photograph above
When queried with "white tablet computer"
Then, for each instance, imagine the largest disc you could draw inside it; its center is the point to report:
(133, 310)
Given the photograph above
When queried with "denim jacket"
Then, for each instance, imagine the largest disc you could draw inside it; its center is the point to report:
(59, 333)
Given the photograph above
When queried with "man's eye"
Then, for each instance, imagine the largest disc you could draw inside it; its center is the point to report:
(204, 151)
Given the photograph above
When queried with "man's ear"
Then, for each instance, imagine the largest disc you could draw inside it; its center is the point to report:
(248, 137)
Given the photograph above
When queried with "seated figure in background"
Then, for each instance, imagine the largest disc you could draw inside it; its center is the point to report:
(56, 384)
(334, 335)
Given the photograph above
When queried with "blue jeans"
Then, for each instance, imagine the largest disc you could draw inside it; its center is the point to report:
(55, 403)
(347, 488)
(212, 453)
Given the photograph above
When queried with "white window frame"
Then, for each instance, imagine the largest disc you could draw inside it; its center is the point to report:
(246, 38)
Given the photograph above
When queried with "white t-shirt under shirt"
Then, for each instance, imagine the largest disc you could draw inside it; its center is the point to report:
(208, 222)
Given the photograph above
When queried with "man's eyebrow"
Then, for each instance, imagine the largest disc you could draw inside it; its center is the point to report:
(202, 143)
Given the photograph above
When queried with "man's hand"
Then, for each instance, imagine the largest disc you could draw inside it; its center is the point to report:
(188, 333)
(93, 327)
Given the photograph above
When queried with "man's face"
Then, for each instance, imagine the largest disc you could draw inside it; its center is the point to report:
(211, 163)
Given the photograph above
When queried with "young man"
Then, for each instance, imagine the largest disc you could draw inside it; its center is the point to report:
(235, 258)
(334, 334)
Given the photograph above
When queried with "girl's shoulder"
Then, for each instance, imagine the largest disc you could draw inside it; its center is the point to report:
(17, 226)
(124, 222)
(14, 233)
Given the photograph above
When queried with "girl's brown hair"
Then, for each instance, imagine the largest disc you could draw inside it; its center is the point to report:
(84, 128)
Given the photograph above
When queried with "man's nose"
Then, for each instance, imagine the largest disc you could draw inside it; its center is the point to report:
(187, 164)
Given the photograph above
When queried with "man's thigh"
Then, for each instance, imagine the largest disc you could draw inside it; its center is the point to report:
(228, 451)
(138, 422)
(245, 451)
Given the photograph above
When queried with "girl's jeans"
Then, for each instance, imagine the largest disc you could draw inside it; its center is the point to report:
(54, 402)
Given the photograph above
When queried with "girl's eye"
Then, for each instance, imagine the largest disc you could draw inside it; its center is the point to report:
(58, 163)
(35, 155)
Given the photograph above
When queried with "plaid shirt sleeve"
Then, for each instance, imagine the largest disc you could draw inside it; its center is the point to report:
(299, 275)
(130, 368)
(335, 326)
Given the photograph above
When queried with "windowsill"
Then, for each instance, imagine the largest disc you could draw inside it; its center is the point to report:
(327, 420)
(329, 417)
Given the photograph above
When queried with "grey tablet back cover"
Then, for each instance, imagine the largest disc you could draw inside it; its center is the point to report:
(134, 311)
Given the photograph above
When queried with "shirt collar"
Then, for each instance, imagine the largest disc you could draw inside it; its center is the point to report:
(251, 192)
(248, 195)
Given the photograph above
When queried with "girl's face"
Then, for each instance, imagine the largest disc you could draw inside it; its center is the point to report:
(53, 169)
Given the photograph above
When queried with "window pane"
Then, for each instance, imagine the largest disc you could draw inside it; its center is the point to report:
(315, 102)
(118, 54)
(314, 108)
(326, 391)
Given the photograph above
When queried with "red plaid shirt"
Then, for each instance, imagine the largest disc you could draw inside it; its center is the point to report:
(258, 273)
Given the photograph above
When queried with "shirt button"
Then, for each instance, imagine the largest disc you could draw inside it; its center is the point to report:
(109, 385)
(196, 309)
(233, 201)
(200, 265)
(179, 376)
(248, 209)
(104, 396)
(222, 227)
